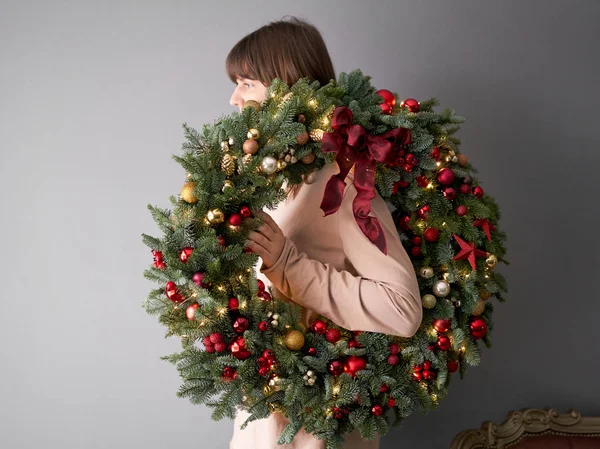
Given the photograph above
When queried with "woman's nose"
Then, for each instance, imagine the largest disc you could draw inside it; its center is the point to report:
(236, 100)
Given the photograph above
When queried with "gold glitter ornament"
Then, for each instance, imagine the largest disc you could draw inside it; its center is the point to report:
(215, 216)
(294, 340)
(187, 193)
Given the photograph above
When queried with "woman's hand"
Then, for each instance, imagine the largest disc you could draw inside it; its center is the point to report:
(267, 241)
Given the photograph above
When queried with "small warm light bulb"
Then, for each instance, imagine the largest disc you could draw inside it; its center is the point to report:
(202, 323)
(462, 348)
(243, 305)
(433, 332)
(434, 396)
(438, 163)
(313, 103)
(221, 288)
(336, 390)
(444, 224)
(430, 186)
(222, 311)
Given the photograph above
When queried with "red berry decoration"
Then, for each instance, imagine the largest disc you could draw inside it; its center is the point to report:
(412, 159)
(215, 337)
(429, 374)
(415, 251)
(411, 104)
(408, 167)
(393, 359)
(185, 254)
(478, 191)
(435, 153)
(338, 413)
(478, 328)
(190, 312)
(462, 210)
(354, 363)
(335, 367)
(261, 285)
(245, 211)
(403, 222)
(353, 344)
(465, 189)
(233, 304)
(391, 402)
(445, 176)
(449, 193)
(172, 292)
(388, 96)
(220, 346)
(263, 371)
(268, 354)
(394, 348)
(442, 325)
(221, 240)
(333, 335)
(384, 388)
(377, 410)
(443, 342)
(241, 324)
(238, 348)
(422, 181)
(228, 372)
(431, 234)
(417, 241)
(312, 351)
(235, 220)
(452, 366)
(263, 326)
(422, 212)
(319, 326)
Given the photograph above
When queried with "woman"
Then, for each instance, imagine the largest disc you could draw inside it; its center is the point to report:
(324, 263)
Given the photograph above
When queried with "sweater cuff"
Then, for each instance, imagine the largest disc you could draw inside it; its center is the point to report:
(278, 265)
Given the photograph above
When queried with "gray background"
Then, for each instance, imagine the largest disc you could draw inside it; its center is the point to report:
(92, 99)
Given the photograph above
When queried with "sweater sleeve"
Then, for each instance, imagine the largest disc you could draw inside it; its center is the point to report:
(384, 296)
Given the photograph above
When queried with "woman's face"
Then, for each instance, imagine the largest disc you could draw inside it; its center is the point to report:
(247, 89)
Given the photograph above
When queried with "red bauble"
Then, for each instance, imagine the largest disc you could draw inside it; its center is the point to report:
(412, 159)
(172, 292)
(268, 354)
(262, 361)
(190, 312)
(418, 376)
(354, 363)
(197, 278)
(391, 402)
(263, 371)
(338, 413)
(384, 388)
(377, 410)
(353, 344)
(245, 211)
(263, 326)
(319, 326)
(428, 374)
(422, 212)
(228, 372)
(452, 366)
(422, 181)
(264, 295)
(238, 348)
(388, 96)
(185, 254)
(431, 234)
(235, 220)
(241, 324)
(399, 184)
(221, 240)
(408, 167)
(415, 251)
(158, 260)
(435, 153)
(335, 367)
(462, 210)
(411, 104)
(478, 191)
(417, 241)
(215, 337)
(465, 189)
(431, 347)
(443, 342)
(394, 348)
(449, 193)
(312, 351)
(385, 108)
(333, 335)
(445, 176)
(478, 328)
(393, 359)
(220, 347)
(233, 304)
(427, 364)
(261, 285)
(442, 325)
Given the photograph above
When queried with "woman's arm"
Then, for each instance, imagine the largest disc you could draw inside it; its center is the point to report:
(384, 296)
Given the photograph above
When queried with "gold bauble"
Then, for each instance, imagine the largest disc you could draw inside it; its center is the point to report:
(429, 301)
(250, 146)
(308, 158)
(294, 340)
(479, 307)
(462, 160)
(267, 390)
(317, 135)
(302, 139)
(426, 272)
(215, 216)
(281, 165)
(228, 164)
(484, 294)
(491, 261)
(187, 193)
(253, 133)
(253, 104)
(228, 186)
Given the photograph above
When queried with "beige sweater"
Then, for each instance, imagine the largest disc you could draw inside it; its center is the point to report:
(330, 268)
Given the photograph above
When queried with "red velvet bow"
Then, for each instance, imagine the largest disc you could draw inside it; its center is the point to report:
(353, 145)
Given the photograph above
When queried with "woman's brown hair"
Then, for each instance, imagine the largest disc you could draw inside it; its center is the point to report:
(284, 49)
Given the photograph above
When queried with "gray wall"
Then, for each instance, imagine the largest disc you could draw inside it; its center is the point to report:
(92, 98)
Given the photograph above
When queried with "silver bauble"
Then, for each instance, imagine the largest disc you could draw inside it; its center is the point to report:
(441, 288)
(268, 165)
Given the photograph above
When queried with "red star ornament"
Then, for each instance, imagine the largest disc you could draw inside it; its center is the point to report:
(486, 226)
(468, 251)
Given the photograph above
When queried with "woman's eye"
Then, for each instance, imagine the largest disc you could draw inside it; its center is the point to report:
(247, 84)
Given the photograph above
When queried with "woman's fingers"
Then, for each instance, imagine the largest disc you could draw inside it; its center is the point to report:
(270, 222)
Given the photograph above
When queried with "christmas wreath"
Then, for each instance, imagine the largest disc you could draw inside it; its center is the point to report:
(241, 347)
